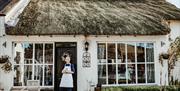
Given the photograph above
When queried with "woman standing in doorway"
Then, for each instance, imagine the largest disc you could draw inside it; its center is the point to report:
(66, 83)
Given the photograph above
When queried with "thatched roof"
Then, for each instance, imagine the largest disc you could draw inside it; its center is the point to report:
(95, 17)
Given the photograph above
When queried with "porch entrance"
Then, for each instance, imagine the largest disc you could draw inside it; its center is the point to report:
(60, 48)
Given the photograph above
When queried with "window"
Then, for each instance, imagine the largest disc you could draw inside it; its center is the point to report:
(125, 63)
(33, 61)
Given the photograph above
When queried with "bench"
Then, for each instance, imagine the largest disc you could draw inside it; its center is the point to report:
(33, 85)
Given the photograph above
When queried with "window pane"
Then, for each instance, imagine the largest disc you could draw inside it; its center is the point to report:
(38, 53)
(38, 73)
(102, 74)
(122, 73)
(150, 52)
(18, 75)
(49, 53)
(111, 74)
(130, 53)
(131, 73)
(141, 73)
(150, 73)
(48, 75)
(111, 53)
(27, 73)
(140, 52)
(101, 51)
(28, 53)
(121, 53)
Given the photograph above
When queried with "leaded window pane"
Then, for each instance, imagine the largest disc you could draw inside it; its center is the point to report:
(28, 53)
(121, 73)
(140, 52)
(121, 53)
(111, 74)
(101, 51)
(38, 54)
(130, 52)
(102, 74)
(150, 73)
(111, 53)
(27, 73)
(131, 72)
(150, 52)
(141, 73)
(48, 75)
(49, 53)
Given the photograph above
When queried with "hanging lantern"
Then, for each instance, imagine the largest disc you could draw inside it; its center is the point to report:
(86, 44)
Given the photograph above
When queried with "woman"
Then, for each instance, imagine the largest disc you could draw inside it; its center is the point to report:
(67, 80)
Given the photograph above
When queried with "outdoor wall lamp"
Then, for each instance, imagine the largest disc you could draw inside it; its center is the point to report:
(86, 44)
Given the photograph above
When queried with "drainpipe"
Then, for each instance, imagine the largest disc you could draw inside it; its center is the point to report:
(2, 31)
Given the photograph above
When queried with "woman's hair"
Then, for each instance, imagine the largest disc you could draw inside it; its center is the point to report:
(65, 54)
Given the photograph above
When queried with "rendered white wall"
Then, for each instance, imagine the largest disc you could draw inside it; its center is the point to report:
(175, 2)
(176, 71)
(2, 19)
(84, 75)
(175, 32)
(175, 29)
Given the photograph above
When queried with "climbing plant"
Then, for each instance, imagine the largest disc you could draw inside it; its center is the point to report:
(174, 54)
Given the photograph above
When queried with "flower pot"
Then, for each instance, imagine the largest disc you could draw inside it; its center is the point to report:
(3, 60)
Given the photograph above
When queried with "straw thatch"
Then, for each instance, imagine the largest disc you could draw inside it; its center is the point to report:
(95, 17)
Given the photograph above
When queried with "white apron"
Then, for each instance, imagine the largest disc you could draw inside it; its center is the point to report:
(67, 79)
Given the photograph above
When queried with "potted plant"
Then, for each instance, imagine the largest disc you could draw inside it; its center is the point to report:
(4, 59)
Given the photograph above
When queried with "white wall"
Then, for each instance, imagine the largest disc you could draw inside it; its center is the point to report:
(84, 75)
(175, 29)
(175, 2)
(175, 32)
(2, 32)
(176, 71)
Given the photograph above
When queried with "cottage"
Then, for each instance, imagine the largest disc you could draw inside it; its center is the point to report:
(111, 42)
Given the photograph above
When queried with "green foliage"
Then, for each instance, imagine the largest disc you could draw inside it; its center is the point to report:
(174, 82)
(174, 53)
(141, 88)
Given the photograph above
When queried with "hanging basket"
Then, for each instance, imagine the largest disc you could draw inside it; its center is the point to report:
(4, 59)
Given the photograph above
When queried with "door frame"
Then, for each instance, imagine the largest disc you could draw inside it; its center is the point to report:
(55, 59)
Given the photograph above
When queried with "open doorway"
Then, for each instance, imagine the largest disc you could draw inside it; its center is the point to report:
(60, 48)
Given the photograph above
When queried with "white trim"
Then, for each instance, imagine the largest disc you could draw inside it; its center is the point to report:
(126, 62)
(106, 64)
(53, 64)
(136, 74)
(43, 63)
(33, 61)
(145, 44)
(116, 54)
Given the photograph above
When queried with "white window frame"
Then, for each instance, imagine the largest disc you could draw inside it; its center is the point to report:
(126, 63)
(33, 64)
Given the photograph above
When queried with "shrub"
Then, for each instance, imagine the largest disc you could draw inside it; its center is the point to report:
(141, 88)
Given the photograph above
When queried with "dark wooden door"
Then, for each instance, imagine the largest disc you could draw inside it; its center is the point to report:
(61, 48)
